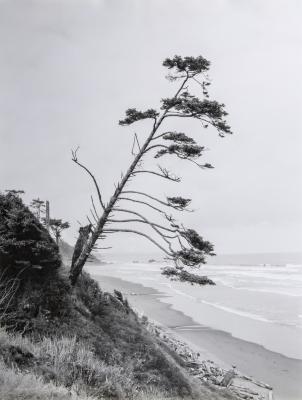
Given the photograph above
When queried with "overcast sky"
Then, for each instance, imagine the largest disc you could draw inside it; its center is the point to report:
(69, 70)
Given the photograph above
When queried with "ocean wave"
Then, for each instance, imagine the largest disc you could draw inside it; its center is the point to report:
(283, 291)
(239, 312)
(183, 294)
(272, 290)
(252, 316)
(218, 306)
(262, 275)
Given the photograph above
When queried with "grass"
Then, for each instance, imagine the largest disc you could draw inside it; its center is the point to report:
(93, 346)
(15, 384)
(70, 363)
(66, 362)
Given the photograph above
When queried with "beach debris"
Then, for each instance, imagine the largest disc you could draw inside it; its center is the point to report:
(228, 378)
(256, 382)
(244, 392)
(242, 386)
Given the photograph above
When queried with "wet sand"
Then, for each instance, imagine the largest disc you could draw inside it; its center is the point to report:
(282, 373)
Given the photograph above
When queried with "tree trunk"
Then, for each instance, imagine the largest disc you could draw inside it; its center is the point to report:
(78, 265)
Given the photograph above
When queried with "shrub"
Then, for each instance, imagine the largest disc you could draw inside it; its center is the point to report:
(25, 245)
(32, 290)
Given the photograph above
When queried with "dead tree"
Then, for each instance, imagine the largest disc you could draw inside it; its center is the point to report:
(184, 246)
(83, 237)
(38, 206)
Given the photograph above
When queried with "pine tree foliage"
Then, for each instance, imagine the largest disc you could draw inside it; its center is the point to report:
(176, 274)
(179, 203)
(189, 65)
(57, 226)
(132, 115)
(184, 151)
(196, 241)
(178, 137)
(16, 192)
(207, 111)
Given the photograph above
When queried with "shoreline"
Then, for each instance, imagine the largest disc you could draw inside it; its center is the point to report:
(278, 371)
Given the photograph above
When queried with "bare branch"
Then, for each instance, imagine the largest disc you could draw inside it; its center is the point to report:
(159, 136)
(90, 221)
(147, 195)
(168, 174)
(96, 214)
(144, 219)
(141, 234)
(180, 243)
(136, 138)
(135, 141)
(152, 224)
(183, 84)
(93, 216)
(8, 288)
(164, 203)
(75, 159)
(142, 202)
(202, 166)
(132, 149)
(164, 175)
(154, 227)
(155, 146)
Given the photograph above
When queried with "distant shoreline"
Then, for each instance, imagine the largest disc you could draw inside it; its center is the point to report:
(235, 259)
(281, 372)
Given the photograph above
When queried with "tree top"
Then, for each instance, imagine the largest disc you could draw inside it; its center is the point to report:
(190, 65)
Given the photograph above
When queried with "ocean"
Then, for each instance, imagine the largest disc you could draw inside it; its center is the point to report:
(261, 304)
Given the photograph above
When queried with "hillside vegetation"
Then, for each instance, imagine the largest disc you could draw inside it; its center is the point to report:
(59, 342)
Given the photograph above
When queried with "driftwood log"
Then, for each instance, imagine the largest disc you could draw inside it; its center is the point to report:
(228, 378)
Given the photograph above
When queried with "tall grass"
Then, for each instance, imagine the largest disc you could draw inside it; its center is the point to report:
(76, 373)
(15, 384)
(66, 368)
(73, 364)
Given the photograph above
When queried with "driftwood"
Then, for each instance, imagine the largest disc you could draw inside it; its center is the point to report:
(258, 383)
(208, 371)
(228, 378)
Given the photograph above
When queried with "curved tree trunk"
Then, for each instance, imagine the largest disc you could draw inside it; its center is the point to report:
(79, 262)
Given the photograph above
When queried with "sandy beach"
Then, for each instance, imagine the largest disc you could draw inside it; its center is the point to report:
(281, 372)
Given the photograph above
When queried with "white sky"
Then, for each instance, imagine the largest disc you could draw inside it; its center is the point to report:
(69, 70)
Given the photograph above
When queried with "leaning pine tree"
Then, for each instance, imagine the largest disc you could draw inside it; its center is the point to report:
(184, 246)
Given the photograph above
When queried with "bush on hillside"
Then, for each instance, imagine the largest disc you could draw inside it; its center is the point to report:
(25, 245)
